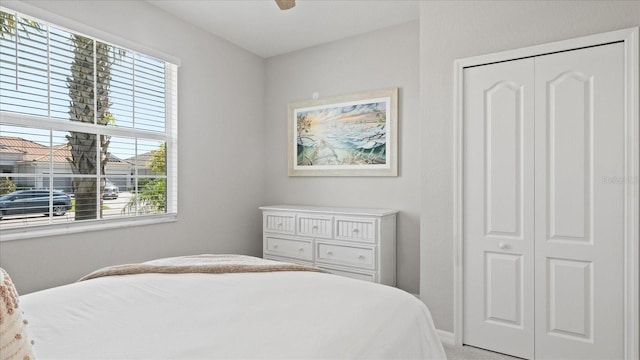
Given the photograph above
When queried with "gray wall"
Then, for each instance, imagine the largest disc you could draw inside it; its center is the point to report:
(220, 168)
(457, 29)
(377, 60)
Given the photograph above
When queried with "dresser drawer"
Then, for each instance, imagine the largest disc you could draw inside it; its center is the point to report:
(287, 247)
(283, 223)
(354, 229)
(315, 226)
(349, 255)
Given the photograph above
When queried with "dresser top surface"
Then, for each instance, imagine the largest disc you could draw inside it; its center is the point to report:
(331, 210)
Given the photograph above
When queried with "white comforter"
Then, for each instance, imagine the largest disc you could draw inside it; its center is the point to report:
(274, 315)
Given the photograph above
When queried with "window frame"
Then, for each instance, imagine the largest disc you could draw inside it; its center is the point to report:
(169, 136)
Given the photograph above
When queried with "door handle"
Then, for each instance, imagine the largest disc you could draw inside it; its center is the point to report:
(503, 245)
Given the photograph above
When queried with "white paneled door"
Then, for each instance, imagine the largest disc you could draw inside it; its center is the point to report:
(543, 205)
(579, 231)
(498, 212)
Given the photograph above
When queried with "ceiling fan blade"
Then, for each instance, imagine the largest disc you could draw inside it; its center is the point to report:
(285, 4)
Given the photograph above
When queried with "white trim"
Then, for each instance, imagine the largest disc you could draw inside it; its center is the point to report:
(171, 146)
(95, 225)
(632, 187)
(458, 174)
(77, 27)
(17, 119)
(632, 151)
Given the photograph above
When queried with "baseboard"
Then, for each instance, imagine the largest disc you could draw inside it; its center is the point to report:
(446, 337)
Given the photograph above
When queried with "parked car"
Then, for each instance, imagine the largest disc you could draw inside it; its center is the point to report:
(34, 202)
(111, 191)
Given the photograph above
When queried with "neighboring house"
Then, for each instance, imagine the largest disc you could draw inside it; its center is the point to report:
(22, 156)
(8, 157)
(141, 162)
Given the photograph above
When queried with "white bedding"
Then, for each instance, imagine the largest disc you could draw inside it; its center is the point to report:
(274, 315)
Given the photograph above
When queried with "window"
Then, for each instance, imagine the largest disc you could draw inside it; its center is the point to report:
(87, 123)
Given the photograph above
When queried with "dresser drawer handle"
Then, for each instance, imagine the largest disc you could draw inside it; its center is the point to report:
(330, 253)
(275, 246)
(301, 249)
(361, 257)
(355, 231)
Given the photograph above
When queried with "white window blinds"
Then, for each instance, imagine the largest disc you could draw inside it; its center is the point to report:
(86, 118)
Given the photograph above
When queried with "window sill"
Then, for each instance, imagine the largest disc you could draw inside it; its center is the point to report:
(96, 225)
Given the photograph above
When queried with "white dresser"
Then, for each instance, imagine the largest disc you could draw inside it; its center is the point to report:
(357, 243)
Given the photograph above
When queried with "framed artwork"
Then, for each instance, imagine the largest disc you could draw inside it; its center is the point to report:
(350, 135)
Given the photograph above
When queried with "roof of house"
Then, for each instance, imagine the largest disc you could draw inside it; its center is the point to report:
(30, 149)
(140, 160)
(33, 151)
(8, 150)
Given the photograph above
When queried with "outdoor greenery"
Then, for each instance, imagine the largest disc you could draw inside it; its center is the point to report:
(152, 195)
(7, 186)
(9, 25)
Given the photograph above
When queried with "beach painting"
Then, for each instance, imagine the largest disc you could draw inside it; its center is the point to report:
(352, 135)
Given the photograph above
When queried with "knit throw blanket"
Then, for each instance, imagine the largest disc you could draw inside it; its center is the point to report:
(209, 264)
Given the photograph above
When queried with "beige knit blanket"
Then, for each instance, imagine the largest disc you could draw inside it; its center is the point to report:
(209, 264)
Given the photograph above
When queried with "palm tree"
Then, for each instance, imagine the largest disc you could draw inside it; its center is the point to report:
(8, 24)
(89, 101)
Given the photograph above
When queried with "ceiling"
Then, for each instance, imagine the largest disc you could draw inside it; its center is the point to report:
(262, 28)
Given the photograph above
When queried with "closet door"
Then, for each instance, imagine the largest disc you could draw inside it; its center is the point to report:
(579, 210)
(498, 207)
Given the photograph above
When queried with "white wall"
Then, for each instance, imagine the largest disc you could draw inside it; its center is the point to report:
(377, 60)
(220, 140)
(456, 29)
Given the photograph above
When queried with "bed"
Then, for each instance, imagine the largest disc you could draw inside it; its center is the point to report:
(185, 308)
